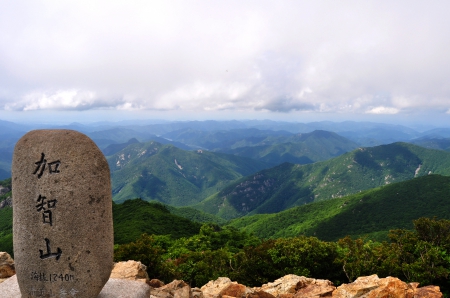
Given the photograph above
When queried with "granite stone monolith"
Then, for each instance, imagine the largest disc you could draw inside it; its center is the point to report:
(62, 215)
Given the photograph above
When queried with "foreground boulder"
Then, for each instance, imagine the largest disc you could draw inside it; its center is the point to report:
(213, 288)
(298, 286)
(130, 270)
(374, 287)
(7, 268)
(177, 289)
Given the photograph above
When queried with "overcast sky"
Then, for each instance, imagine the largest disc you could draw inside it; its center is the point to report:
(291, 60)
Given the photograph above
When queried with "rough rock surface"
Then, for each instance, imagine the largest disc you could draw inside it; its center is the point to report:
(130, 270)
(259, 294)
(314, 288)
(155, 283)
(373, 287)
(175, 289)
(6, 203)
(234, 290)
(196, 293)
(292, 284)
(3, 189)
(122, 288)
(10, 288)
(7, 268)
(213, 287)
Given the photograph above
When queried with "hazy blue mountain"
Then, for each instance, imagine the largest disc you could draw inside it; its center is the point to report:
(299, 148)
(234, 138)
(433, 143)
(437, 133)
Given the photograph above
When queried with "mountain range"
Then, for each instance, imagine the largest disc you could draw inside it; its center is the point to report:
(274, 179)
(105, 134)
(288, 185)
(173, 176)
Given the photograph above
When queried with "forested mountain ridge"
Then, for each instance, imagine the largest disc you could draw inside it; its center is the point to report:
(173, 176)
(373, 212)
(288, 185)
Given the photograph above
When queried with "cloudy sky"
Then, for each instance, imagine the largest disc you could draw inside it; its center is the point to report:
(291, 60)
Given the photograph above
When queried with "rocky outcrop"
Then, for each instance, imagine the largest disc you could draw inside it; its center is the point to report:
(214, 287)
(298, 286)
(175, 289)
(7, 268)
(373, 287)
(293, 286)
(4, 189)
(6, 203)
(129, 279)
(130, 270)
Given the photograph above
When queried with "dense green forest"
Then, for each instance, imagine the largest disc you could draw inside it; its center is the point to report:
(136, 217)
(369, 214)
(418, 255)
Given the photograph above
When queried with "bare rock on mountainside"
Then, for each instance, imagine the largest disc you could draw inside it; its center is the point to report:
(6, 203)
(374, 287)
(4, 189)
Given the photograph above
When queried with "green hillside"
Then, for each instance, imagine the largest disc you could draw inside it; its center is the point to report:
(288, 185)
(131, 219)
(6, 220)
(300, 148)
(136, 217)
(373, 212)
(173, 176)
(6, 230)
(196, 215)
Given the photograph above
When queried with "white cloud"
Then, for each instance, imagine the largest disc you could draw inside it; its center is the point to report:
(383, 110)
(378, 57)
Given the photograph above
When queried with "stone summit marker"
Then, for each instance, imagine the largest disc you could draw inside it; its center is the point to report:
(62, 215)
